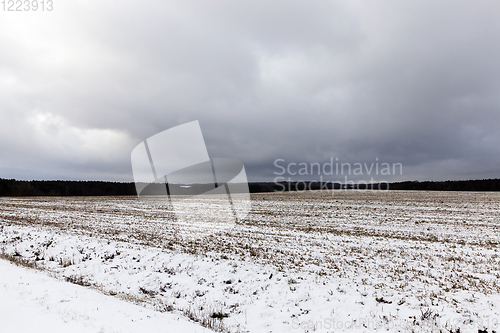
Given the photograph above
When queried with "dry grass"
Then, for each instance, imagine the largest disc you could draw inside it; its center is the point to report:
(447, 241)
(18, 260)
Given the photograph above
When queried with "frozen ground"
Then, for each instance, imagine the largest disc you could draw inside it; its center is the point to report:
(31, 301)
(355, 261)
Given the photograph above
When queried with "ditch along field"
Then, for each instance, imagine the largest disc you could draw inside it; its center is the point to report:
(355, 261)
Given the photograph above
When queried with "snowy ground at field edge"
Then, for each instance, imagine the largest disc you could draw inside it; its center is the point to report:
(32, 301)
(415, 262)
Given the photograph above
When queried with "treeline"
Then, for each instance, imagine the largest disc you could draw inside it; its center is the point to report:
(19, 188)
(450, 185)
(11, 187)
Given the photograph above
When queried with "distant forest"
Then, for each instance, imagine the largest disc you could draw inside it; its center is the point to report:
(450, 185)
(11, 187)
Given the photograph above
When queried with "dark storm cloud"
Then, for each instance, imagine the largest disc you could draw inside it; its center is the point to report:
(412, 83)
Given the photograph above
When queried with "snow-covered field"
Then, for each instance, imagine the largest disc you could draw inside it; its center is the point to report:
(31, 301)
(357, 261)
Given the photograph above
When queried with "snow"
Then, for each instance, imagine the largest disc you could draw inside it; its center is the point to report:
(32, 301)
(301, 262)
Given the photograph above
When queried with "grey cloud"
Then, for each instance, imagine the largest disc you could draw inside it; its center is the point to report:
(412, 83)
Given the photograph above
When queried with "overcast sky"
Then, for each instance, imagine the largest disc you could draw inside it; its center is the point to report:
(410, 82)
